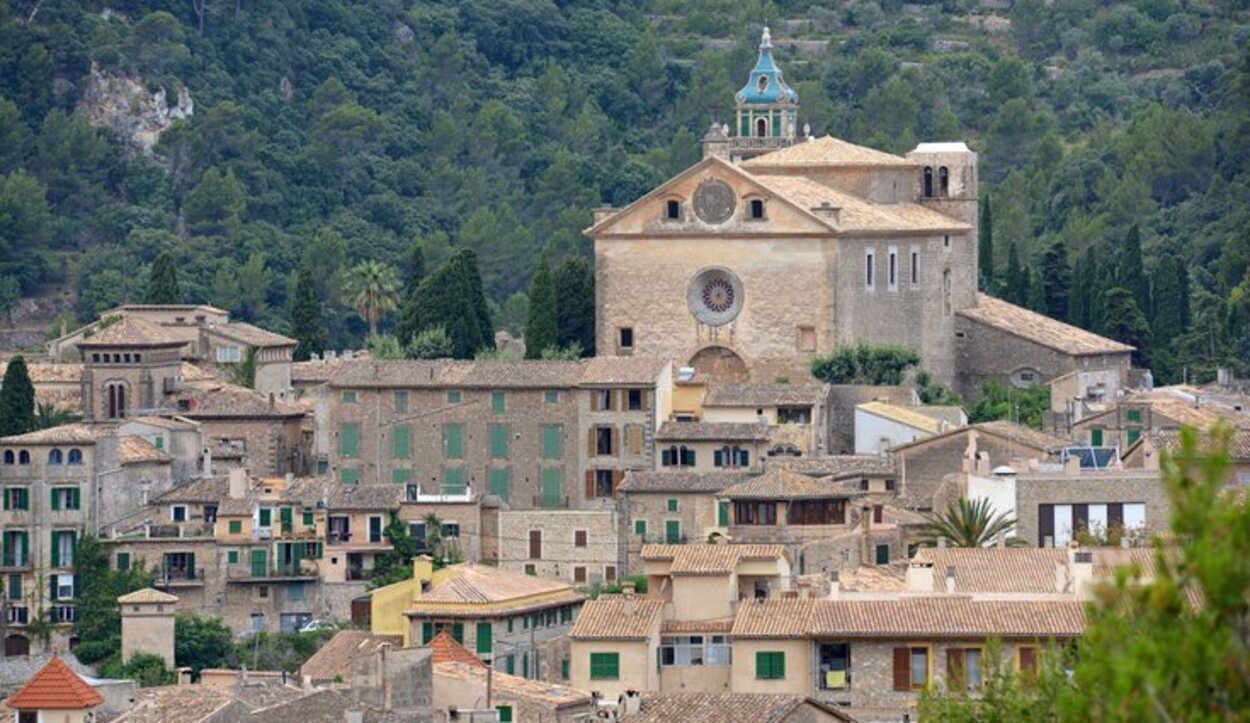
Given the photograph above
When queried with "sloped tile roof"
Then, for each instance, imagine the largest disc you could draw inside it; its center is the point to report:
(547, 695)
(366, 497)
(711, 432)
(251, 335)
(1170, 439)
(54, 373)
(773, 619)
(334, 659)
(217, 399)
(686, 627)
(73, 433)
(445, 649)
(902, 415)
(1202, 416)
(615, 617)
(469, 586)
(622, 370)
(838, 466)
(826, 151)
(781, 482)
(1020, 434)
(710, 559)
(1039, 329)
(55, 687)
(859, 214)
(492, 374)
(763, 395)
(726, 708)
(136, 450)
(994, 569)
(131, 331)
(647, 481)
(146, 596)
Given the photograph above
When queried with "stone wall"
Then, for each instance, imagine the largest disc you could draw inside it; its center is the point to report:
(696, 515)
(561, 557)
(1117, 486)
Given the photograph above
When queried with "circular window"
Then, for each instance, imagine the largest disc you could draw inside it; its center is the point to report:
(715, 296)
(714, 201)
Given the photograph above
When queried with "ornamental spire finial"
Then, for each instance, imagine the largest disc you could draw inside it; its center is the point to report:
(766, 41)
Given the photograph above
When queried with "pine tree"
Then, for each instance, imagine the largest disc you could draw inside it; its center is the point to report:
(985, 245)
(17, 399)
(1130, 274)
(414, 266)
(1016, 280)
(306, 316)
(1056, 281)
(541, 319)
(1035, 292)
(1126, 323)
(450, 298)
(575, 304)
(1171, 299)
(162, 285)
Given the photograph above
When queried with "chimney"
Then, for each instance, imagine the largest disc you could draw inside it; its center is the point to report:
(1082, 566)
(599, 214)
(829, 211)
(422, 571)
(628, 588)
(950, 580)
(1072, 465)
(920, 577)
(941, 542)
(238, 483)
(865, 530)
(184, 676)
(208, 462)
(1001, 540)
(631, 702)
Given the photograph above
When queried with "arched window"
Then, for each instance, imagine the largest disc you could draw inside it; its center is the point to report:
(8, 457)
(56, 456)
(944, 182)
(116, 400)
(761, 128)
(763, 84)
(928, 181)
(75, 456)
(23, 457)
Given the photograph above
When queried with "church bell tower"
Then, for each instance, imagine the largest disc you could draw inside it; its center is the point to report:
(767, 110)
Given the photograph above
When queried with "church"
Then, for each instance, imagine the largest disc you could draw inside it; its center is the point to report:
(777, 247)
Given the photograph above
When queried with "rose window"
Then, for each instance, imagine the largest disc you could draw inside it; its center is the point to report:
(718, 295)
(714, 296)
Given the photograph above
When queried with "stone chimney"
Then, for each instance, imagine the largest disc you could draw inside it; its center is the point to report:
(1081, 564)
(920, 577)
(184, 675)
(950, 580)
(829, 211)
(238, 483)
(716, 142)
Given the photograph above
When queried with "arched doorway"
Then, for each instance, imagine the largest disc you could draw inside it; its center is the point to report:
(716, 363)
(761, 128)
(16, 645)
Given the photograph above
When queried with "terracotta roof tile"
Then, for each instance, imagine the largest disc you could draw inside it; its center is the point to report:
(763, 395)
(368, 373)
(74, 433)
(131, 331)
(251, 335)
(469, 586)
(1202, 416)
(146, 596)
(622, 370)
(1010, 431)
(993, 569)
(217, 399)
(616, 617)
(333, 660)
(55, 687)
(710, 559)
(647, 481)
(54, 373)
(445, 649)
(680, 627)
(1170, 439)
(136, 450)
(856, 213)
(782, 482)
(1039, 328)
(547, 695)
(825, 151)
(726, 708)
(839, 466)
(711, 432)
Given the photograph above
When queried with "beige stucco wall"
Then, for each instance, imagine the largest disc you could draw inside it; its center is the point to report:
(148, 629)
(703, 597)
(798, 666)
(637, 666)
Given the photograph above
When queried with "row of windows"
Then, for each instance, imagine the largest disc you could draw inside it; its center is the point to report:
(551, 437)
(61, 498)
(55, 456)
(892, 268)
(119, 358)
(498, 400)
(674, 211)
(15, 545)
(943, 189)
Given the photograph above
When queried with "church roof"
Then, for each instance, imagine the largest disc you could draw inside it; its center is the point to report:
(766, 86)
(855, 213)
(1040, 329)
(825, 152)
(131, 331)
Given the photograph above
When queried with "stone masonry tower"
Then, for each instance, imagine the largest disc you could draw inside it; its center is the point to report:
(148, 624)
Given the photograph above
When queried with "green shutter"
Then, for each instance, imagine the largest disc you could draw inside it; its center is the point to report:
(498, 402)
(236, 527)
(722, 513)
(453, 397)
(56, 502)
(1095, 437)
(266, 517)
(552, 492)
(56, 550)
(640, 527)
(509, 665)
(349, 440)
(672, 532)
(1133, 436)
(308, 520)
(453, 441)
(564, 669)
(6, 498)
(500, 480)
(258, 563)
(401, 446)
(15, 587)
(75, 498)
(770, 665)
(453, 481)
(672, 504)
(349, 475)
(484, 641)
(123, 562)
(427, 633)
(499, 441)
(232, 557)
(191, 565)
(401, 475)
(605, 666)
(287, 517)
(551, 441)
(505, 713)
(457, 632)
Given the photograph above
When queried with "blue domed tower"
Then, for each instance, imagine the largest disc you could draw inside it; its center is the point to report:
(768, 109)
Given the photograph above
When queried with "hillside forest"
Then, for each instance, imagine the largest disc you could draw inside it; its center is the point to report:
(334, 162)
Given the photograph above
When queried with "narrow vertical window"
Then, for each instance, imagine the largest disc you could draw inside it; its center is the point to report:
(672, 210)
(893, 269)
(915, 267)
(944, 182)
(928, 182)
(869, 264)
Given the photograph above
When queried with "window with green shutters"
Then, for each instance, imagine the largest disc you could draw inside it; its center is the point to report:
(484, 641)
(236, 527)
(640, 527)
(58, 541)
(401, 445)
(505, 713)
(498, 402)
(1095, 437)
(17, 498)
(500, 482)
(232, 557)
(401, 475)
(509, 665)
(1134, 415)
(266, 517)
(605, 666)
(672, 532)
(722, 513)
(564, 669)
(453, 480)
(499, 441)
(552, 489)
(453, 397)
(427, 633)
(258, 563)
(349, 397)
(457, 632)
(15, 586)
(672, 504)
(770, 665)
(308, 519)
(552, 441)
(123, 563)
(349, 475)
(1133, 436)
(401, 402)
(551, 397)
(349, 440)
(453, 441)
(286, 516)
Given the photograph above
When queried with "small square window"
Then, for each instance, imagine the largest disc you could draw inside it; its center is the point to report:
(640, 527)
(232, 557)
(349, 397)
(579, 538)
(672, 504)
(551, 397)
(453, 397)
(530, 570)
(757, 208)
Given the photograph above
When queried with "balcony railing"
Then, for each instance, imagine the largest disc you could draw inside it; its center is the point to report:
(181, 577)
(166, 531)
(307, 569)
(755, 143)
(548, 502)
(416, 494)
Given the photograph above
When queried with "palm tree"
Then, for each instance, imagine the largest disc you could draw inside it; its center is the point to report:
(373, 290)
(48, 415)
(971, 524)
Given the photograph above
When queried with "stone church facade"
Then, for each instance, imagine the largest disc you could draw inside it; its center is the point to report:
(777, 247)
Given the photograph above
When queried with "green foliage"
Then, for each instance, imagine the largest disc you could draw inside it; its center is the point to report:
(278, 651)
(573, 352)
(162, 285)
(542, 317)
(10, 292)
(596, 589)
(48, 415)
(244, 373)
(1056, 281)
(865, 364)
(17, 399)
(146, 669)
(201, 642)
(306, 324)
(25, 222)
(372, 288)
(450, 298)
(1126, 322)
(100, 585)
(432, 343)
(931, 391)
(575, 304)
(1000, 401)
(985, 245)
(971, 523)
(384, 347)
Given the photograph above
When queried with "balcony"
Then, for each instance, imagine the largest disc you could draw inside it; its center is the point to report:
(15, 562)
(546, 502)
(303, 570)
(759, 143)
(181, 577)
(416, 494)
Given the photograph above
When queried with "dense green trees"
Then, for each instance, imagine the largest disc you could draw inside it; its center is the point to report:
(542, 317)
(17, 399)
(306, 325)
(865, 364)
(162, 285)
(451, 298)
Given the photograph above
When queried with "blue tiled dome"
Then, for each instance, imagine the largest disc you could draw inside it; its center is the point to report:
(766, 86)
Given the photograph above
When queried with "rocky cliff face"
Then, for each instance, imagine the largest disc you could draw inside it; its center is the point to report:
(126, 106)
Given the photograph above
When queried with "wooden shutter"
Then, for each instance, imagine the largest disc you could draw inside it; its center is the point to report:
(615, 435)
(590, 484)
(1115, 515)
(877, 514)
(955, 668)
(1045, 524)
(1080, 518)
(902, 669)
(579, 574)
(536, 544)
(617, 476)
(646, 399)
(1028, 659)
(591, 439)
(594, 400)
(56, 502)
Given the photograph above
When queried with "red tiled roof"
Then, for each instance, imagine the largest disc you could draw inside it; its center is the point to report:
(55, 687)
(445, 649)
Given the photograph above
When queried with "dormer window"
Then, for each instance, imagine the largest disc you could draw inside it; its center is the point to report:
(757, 209)
(672, 210)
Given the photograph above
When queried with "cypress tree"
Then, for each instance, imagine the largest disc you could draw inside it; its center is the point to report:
(472, 284)
(306, 316)
(414, 266)
(162, 285)
(540, 320)
(1126, 323)
(450, 298)
(985, 245)
(17, 399)
(575, 304)
(1130, 274)
(1171, 299)
(1084, 283)
(1016, 280)
(1056, 281)
(1035, 295)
